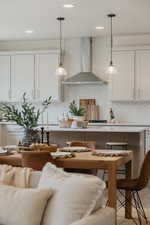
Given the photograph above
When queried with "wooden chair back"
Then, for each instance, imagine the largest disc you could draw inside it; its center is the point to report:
(88, 144)
(35, 160)
(145, 172)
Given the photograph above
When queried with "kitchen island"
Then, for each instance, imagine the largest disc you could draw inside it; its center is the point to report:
(134, 136)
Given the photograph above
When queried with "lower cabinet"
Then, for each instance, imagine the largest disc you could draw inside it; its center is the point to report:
(1, 144)
(147, 140)
(11, 134)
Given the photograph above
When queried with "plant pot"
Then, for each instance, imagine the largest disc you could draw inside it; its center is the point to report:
(30, 136)
(78, 118)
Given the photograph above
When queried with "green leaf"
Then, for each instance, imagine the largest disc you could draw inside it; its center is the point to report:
(26, 116)
(74, 110)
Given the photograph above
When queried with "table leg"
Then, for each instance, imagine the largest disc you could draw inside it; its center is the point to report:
(112, 188)
(128, 196)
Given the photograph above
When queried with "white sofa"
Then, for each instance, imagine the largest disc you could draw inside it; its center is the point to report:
(103, 216)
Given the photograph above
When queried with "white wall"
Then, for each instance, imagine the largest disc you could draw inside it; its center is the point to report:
(129, 112)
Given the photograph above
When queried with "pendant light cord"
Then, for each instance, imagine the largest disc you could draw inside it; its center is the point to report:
(111, 16)
(60, 43)
(60, 19)
(111, 42)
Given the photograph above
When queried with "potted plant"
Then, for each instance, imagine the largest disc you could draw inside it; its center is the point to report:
(25, 116)
(76, 112)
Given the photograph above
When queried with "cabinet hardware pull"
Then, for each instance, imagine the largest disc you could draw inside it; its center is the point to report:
(133, 93)
(9, 94)
(38, 93)
(139, 93)
(33, 94)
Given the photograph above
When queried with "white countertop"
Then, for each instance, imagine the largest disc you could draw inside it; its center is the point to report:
(120, 129)
(96, 127)
(120, 124)
(134, 124)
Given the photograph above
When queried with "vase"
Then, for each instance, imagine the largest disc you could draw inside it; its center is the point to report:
(30, 136)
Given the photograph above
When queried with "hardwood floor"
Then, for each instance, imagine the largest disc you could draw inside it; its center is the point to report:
(145, 196)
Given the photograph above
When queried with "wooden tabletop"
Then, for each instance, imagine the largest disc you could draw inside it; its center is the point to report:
(81, 160)
(86, 160)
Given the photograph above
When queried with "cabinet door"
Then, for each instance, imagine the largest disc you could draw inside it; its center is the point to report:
(47, 82)
(13, 134)
(143, 74)
(4, 78)
(22, 79)
(122, 83)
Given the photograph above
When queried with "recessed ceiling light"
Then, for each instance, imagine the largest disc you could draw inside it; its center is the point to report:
(28, 31)
(69, 6)
(99, 28)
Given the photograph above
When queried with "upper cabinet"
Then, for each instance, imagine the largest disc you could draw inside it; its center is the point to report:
(132, 81)
(33, 73)
(46, 79)
(122, 83)
(22, 76)
(5, 78)
(143, 74)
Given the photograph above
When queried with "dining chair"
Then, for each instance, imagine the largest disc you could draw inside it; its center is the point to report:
(36, 160)
(88, 144)
(43, 147)
(120, 146)
(134, 186)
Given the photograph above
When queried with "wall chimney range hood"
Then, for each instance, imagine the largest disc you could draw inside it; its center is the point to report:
(85, 76)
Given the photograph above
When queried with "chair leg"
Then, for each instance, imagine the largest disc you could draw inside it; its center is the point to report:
(122, 204)
(141, 207)
(137, 207)
(104, 172)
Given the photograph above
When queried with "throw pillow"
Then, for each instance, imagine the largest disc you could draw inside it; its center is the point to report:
(74, 196)
(20, 206)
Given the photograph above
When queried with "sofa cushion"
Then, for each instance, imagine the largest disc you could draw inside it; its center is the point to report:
(34, 179)
(105, 216)
(74, 197)
(19, 206)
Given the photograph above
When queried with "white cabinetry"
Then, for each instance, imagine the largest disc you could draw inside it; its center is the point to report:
(12, 134)
(30, 72)
(143, 74)
(1, 135)
(46, 79)
(22, 76)
(147, 140)
(122, 83)
(4, 78)
(132, 81)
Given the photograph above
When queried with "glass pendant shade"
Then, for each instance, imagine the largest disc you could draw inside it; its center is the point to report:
(60, 71)
(111, 69)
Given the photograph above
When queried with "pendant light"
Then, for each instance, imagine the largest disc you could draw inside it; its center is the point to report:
(111, 69)
(60, 71)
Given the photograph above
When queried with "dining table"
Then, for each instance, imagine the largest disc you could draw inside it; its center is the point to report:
(86, 160)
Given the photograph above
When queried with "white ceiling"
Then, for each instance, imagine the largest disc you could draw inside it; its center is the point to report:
(133, 17)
